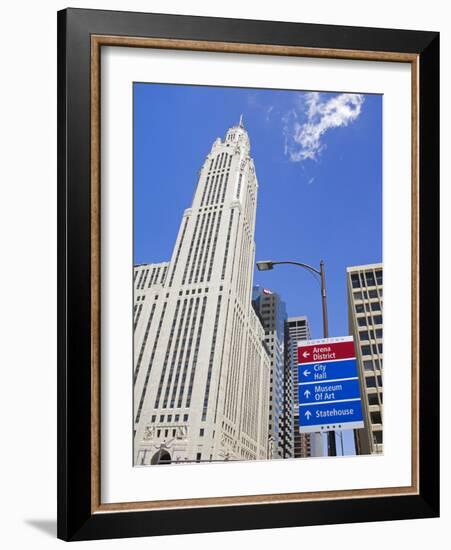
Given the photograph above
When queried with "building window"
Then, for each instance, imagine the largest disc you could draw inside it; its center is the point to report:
(377, 437)
(198, 457)
(372, 399)
(368, 365)
(355, 279)
(185, 418)
(366, 350)
(379, 277)
(201, 432)
(370, 382)
(376, 417)
(370, 281)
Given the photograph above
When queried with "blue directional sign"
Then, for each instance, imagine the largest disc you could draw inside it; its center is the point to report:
(332, 416)
(328, 385)
(331, 370)
(315, 392)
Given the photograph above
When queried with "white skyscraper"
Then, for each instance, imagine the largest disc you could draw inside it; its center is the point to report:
(201, 372)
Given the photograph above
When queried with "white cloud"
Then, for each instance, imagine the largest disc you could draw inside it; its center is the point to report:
(306, 124)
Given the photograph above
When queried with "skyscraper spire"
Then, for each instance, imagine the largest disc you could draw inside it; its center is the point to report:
(241, 120)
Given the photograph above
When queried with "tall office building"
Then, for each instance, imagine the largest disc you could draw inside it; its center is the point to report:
(365, 301)
(298, 329)
(201, 371)
(273, 315)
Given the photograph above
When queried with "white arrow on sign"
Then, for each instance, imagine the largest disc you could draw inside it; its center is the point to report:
(307, 414)
(306, 354)
(306, 372)
(307, 393)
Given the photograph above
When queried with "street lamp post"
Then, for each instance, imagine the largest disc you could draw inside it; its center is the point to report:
(268, 265)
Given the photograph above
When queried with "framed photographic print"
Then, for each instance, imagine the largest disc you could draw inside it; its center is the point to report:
(248, 274)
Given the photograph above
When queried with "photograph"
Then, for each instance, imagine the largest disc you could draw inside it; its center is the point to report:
(257, 274)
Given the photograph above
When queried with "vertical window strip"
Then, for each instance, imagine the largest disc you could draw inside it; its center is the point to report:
(144, 279)
(199, 243)
(166, 357)
(237, 370)
(229, 230)
(149, 366)
(152, 277)
(211, 198)
(213, 252)
(188, 354)
(135, 274)
(222, 356)
(235, 247)
(177, 255)
(238, 189)
(246, 400)
(182, 352)
(174, 354)
(218, 193)
(140, 279)
(234, 369)
(143, 344)
(210, 189)
(205, 189)
(211, 360)
(207, 249)
(240, 266)
(138, 315)
(226, 181)
(185, 271)
(196, 352)
(227, 391)
(216, 163)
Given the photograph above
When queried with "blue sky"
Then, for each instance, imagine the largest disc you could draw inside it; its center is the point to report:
(318, 160)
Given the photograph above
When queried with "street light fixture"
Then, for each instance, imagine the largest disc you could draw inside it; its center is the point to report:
(267, 265)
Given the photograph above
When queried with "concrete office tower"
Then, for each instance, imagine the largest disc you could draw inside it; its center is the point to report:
(365, 300)
(273, 315)
(201, 372)
(305, 445)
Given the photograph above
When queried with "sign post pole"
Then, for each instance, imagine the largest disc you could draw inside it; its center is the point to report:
(331, 441)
